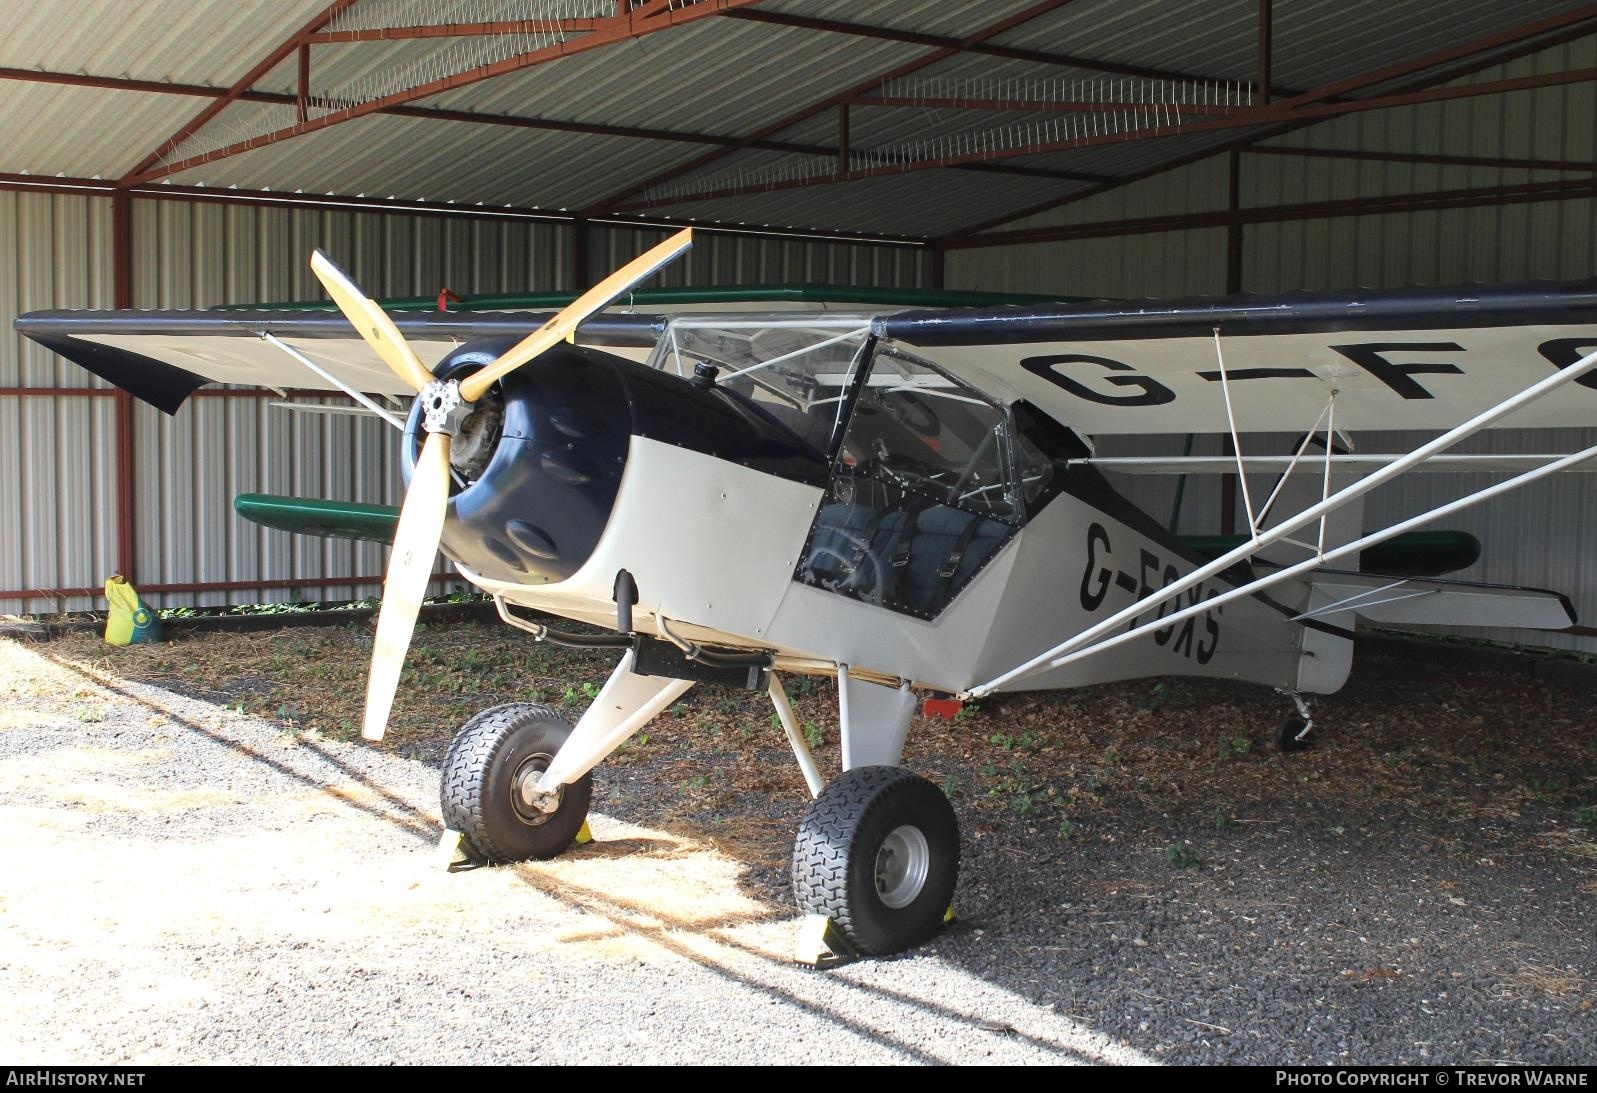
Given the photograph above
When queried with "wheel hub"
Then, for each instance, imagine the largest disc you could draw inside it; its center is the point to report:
(901, 866)
(533, 806)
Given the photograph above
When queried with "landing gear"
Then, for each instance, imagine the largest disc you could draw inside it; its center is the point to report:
(489, 778)
(878, 854)
(1293, 733)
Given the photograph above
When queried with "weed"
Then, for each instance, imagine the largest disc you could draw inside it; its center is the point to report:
(698, 781)
(1068, 829)
(1237, 745)
(949, 785)
(1586, 815)
(1003, 740)
(1155, 698)
(812, 734)
(1222, 819)
(967, 712)
(1177, 856)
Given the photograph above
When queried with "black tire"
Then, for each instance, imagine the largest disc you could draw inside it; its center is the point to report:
(490, 755)
(840, 849)
(1286, 736)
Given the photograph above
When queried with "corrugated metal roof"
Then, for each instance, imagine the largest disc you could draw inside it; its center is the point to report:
(721, 77)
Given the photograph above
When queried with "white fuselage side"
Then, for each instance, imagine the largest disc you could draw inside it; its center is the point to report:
(713, 547)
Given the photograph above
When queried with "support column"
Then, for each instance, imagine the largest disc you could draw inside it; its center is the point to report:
(122, 298)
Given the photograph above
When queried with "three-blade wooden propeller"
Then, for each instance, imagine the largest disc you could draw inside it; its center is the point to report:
(421, 520)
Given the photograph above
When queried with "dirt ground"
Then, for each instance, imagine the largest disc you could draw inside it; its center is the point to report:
(197, 849)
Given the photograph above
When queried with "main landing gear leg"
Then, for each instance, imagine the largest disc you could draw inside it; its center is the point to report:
(1293, 733)
(877, 854)
(517, 781)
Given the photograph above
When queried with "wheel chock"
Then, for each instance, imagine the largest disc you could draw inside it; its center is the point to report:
(451, 850)
(949, 916)
(584, 836)
(821, 944)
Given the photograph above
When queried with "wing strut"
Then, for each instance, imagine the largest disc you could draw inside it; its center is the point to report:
(1088, 641)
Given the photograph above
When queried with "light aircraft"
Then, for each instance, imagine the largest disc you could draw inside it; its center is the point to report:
(904, 501)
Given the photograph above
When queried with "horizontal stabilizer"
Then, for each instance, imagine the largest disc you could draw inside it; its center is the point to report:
(1417, 602)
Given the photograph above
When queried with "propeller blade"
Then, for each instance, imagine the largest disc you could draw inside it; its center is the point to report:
(371, 321)
(554, 331)
(421, 526)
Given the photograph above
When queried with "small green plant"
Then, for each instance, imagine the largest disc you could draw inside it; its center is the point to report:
(949, 785)
(1222, 819)
(1155, 698)
(1069, 829)
(642, 739)
(1028, 741)
(590, 691)
(1586, 815)
(1237, 745)
(1112, 757)
(988, 769)
(1003, 740)
(812, 734)
(967, 712)
(698, 781)
(1024, 804)
(87, 715)
(1177, 856)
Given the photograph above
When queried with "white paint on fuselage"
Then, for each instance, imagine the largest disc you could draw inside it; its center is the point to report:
(713, 547)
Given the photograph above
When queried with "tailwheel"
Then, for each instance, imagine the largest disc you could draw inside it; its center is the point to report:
(1292, 734)
(489, 777)
(878, 854)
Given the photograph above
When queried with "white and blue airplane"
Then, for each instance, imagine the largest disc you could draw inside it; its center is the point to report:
(908, 501)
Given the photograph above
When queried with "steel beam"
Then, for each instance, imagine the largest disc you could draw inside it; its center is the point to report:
(1245, 117)
(1435, 159)
(651, 18)
(240, 86)
(1493, 55)
(989, 49)
(992, 30)
(1564, 190)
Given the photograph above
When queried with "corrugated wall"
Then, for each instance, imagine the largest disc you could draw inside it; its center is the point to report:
(57, 501)
(57, 518)
(1542, 536)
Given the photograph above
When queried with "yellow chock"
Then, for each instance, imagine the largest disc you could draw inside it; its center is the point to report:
(821, 944)
(949, 916)
(585, 836)
(451, 850)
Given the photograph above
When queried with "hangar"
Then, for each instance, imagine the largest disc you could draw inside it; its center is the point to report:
(1075, 148)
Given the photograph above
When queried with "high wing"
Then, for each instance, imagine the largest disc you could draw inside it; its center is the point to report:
(162, 357)
(1409, 359)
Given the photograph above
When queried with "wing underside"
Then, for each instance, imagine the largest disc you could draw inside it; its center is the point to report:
(162, 357)
(1411, 359)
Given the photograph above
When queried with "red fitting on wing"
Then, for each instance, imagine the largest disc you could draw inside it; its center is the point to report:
(444, 296)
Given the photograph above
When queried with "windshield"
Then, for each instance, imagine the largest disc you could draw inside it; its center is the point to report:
(796, 371)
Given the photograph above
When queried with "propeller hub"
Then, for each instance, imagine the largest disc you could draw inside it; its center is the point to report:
(444, 408)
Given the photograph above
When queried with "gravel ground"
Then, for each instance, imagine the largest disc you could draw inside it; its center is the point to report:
(189, 884)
